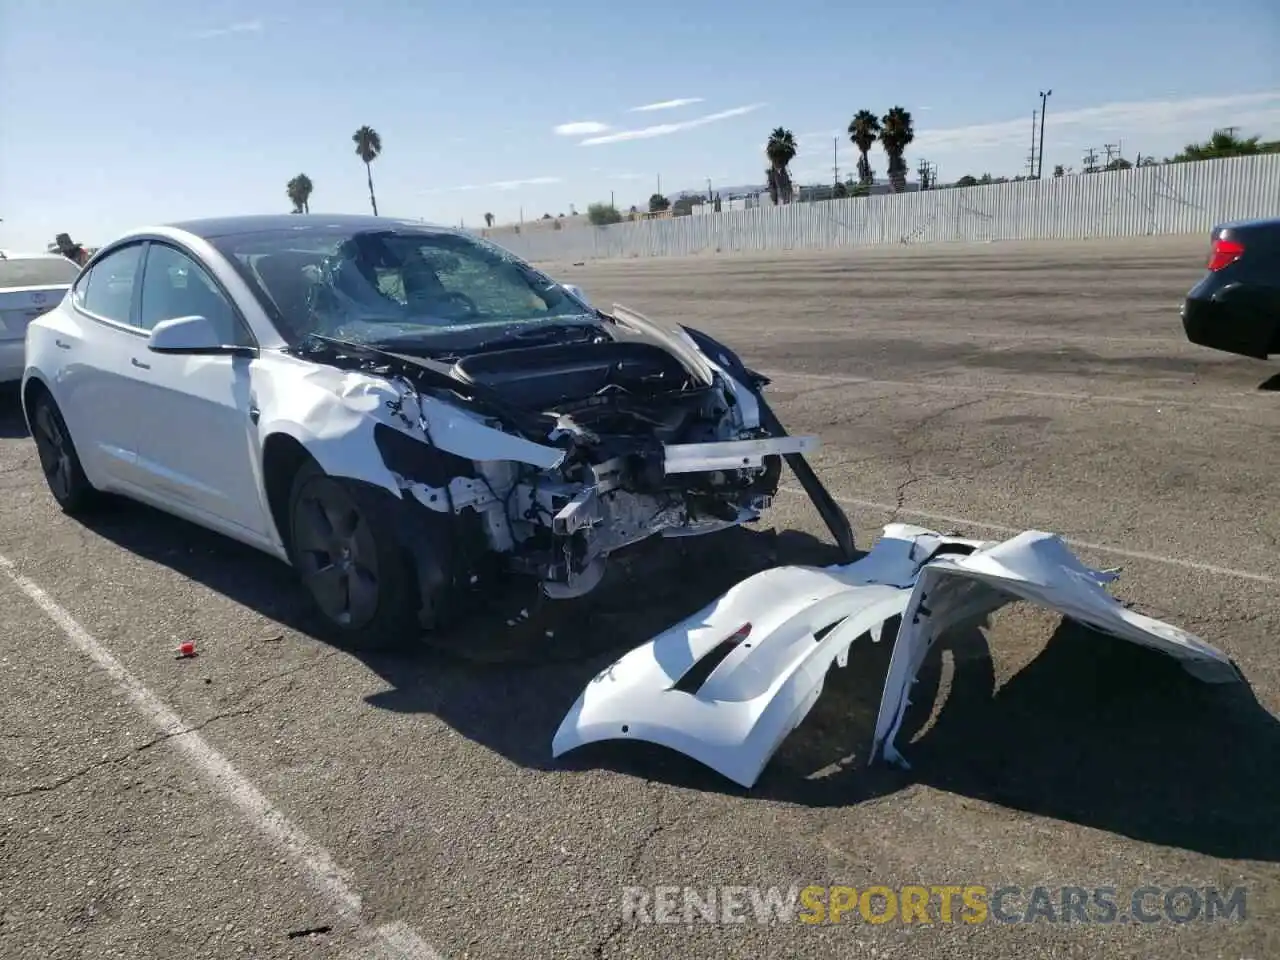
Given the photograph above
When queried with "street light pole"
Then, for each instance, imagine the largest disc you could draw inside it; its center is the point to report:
(1044, 98)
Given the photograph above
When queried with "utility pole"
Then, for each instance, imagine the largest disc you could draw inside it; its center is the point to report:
(1044, 101)
(1031, 157)
(835, 162)
(1091, 161)
(1113, 151)
(928, 173)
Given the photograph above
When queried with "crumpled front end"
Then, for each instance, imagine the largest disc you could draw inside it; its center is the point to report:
(556, 455)
(728, 684)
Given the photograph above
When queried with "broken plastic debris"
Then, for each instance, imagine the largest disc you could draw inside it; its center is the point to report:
(807, 618)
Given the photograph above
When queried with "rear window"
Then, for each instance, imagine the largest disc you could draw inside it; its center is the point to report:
(37, 271)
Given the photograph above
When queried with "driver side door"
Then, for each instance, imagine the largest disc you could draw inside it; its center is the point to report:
(197, 439)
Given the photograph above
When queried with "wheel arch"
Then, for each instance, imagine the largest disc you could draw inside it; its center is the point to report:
(32, 388)
(282, 457)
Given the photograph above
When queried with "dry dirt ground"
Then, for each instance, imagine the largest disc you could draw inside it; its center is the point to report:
(331, 805)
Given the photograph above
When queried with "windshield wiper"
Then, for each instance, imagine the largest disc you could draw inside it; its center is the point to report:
(546, 330)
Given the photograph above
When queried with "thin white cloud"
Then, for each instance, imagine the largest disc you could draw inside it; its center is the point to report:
(666, 129)
(580, 128)
(244, 26)
(1128, 119)
(498, 185)
(666, 104)
(629, 176)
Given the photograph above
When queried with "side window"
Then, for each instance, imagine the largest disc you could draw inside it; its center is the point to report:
(107, 289)
(174, 286)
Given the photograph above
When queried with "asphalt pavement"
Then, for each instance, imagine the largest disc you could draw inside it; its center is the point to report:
(277, 797)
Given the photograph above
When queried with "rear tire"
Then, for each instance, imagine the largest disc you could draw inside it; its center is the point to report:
(59, 461)
(344, 546)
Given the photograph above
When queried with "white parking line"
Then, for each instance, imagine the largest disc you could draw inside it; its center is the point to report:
(1006, 391)
(329, 879)
(1082, 544)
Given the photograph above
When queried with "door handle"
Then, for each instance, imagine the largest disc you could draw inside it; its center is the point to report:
(62, 344)
(138, 363)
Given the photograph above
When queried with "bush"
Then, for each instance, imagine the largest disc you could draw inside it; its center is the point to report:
(601, 214)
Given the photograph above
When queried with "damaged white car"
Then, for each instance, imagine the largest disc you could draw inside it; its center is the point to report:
(403, 413)
(728, 684)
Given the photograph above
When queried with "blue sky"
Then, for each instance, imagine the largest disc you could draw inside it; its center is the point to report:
(117, 114)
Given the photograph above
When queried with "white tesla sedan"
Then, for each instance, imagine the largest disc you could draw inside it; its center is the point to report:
(405, 414)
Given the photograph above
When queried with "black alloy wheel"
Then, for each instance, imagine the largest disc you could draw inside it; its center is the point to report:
(347, 556)
(59, 461)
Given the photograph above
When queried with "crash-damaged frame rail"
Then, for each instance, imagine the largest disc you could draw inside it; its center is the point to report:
(728, 684)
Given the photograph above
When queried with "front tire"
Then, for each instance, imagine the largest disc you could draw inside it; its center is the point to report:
(344, 547)
(59, 461)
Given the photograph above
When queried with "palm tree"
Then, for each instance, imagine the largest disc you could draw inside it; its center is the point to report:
(299, 192)
(488, 219)
(896, 134)
(781, 150)
(368, 148)
(864, 128)
(1225, 143)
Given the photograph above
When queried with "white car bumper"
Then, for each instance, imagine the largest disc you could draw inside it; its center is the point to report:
(772, 638)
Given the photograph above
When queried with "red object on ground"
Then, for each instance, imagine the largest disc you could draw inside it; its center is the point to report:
(187, 648)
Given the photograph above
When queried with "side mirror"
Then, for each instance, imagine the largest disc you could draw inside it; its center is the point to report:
(577, 292)
(188, 335)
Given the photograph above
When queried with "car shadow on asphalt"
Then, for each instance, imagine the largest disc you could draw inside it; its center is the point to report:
(1271, 384)
(1094, 731)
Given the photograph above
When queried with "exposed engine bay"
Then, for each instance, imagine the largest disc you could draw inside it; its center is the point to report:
(638, 431)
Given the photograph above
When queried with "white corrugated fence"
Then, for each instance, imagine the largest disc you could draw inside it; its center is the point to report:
(1163, 199)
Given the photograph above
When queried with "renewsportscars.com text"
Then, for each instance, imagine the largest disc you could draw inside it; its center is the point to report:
(933, 904)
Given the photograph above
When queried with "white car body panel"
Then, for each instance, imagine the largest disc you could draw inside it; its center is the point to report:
(216, 475)
(1033, 566)
(88, 367)
(767, 683)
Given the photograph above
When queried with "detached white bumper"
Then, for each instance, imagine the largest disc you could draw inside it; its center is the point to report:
(769, 642)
